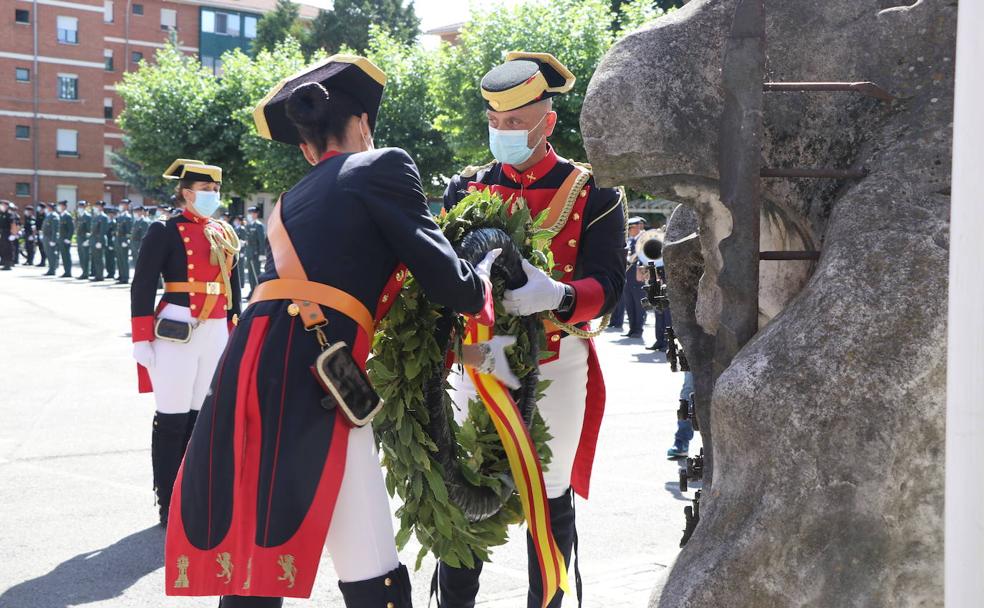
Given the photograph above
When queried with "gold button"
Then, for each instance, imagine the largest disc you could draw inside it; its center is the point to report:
(187, 240)
(191, 266)
(293, 309)
(399, 276)
(386, 298)
(555, 338)
(572, 242)
(190, 252)
(388, 582)
(577, 216)
(584, 192)
(390, 605)
(193, 307)
(181, 228)
(568, 268)
(192, 294)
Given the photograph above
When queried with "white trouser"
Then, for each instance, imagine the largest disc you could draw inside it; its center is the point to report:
(360, 539)
(182, 373)
(562, 408)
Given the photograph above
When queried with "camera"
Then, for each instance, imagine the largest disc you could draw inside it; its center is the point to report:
(693, 471)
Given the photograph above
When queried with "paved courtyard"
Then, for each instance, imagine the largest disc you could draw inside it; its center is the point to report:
(77, 519)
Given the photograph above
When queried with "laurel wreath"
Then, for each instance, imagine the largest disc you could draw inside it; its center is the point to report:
(404, 349)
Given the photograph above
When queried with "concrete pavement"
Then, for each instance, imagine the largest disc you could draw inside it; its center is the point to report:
(77, 519)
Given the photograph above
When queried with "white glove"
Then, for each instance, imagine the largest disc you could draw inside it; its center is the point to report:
(495, 361)
(484, 268)
(539, 294)
(68, 242)
(143, 353)
(99, 246)
(85, 243)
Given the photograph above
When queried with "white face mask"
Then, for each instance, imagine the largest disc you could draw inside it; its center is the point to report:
(206, 202)
(366, 140)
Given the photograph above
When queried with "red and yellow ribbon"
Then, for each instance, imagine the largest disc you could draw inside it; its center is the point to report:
(524, 464)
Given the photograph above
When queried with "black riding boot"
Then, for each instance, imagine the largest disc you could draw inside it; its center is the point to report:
(241, 601)
(457, 587)
(167, 446)
(565, 533)
(391, 590)
(192, 418)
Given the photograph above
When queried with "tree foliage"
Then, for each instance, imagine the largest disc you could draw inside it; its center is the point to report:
(349, 22)
(277, 25)
(173, 109)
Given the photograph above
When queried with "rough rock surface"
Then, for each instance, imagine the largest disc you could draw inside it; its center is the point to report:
(828, 425)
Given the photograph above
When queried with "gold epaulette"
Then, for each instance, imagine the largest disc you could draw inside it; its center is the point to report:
(583, 165)
(472, 170)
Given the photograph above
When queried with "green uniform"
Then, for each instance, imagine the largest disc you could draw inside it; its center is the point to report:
(97, 245)
(137, 233)
(111, 248)
(49, 231)
(124, 225)
(255, 244)
(82, 224)
(66, 229)
(241, 259)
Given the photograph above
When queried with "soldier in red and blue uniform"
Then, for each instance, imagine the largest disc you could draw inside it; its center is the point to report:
(588, 250)
(195, 255)
(272, 476)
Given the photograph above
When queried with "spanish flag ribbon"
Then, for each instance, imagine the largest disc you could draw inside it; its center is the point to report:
(525, 466)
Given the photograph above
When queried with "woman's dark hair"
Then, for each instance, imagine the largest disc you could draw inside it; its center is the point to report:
(182, 185)
(320, 114)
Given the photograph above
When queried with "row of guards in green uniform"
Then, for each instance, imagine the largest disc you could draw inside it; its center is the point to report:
(108, 238)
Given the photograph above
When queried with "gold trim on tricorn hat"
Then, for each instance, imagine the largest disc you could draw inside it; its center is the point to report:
(355, 75)
(523, 79)
(193, 170)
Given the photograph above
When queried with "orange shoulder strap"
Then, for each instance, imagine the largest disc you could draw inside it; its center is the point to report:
(289, 266)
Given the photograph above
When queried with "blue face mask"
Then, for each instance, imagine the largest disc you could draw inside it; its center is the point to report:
(510, 147)
(206, 202)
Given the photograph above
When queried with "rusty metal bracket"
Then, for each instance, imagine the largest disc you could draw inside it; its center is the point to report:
(868, 89)
(818, 173)
(789, 255)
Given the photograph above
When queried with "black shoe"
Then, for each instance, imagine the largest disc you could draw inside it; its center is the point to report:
(391, 590)
(66, 275)
(122, 282)
(167, 445)
(83, 277)
(95, 280)
(49, 274)
(42, 264)
(657, 346)
(632, 334)
(240, 601)
(5, 268)
(565, 533)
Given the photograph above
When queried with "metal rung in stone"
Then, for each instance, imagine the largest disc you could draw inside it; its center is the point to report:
(789, 255)
(869, 89)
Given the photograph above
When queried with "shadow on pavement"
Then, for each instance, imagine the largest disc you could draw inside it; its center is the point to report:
(673, 487)
(92, 576)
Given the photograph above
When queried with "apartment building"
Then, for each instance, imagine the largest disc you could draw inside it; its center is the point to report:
(60, 61)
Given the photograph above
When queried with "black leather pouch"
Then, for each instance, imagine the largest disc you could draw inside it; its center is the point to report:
(173, 331)
(347, 386)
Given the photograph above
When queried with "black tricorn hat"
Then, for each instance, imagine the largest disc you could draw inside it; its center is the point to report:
(356, 76)
(523, 79)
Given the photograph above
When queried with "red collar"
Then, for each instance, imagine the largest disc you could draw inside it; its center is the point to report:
(329, 154)
(535, 172)
(188, 215)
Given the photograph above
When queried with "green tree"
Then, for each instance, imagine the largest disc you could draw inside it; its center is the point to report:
(173, 109)
(133, 175)
(275, 26)
(406, 117)
(349, 22)
(575, 31)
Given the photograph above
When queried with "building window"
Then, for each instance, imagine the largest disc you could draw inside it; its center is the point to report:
(23, 74)
(22, 132)
(249, 27)
(68, 30)
(216, 22)
(68, 87)
(108, 108)
(23, 189)
(169, 19)
(22, 15)
(108, 55)
(136, 57)
(67, 194)
(107, 156)
(214, 65)
(107, 11)
(68, 142)
(138, 9)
